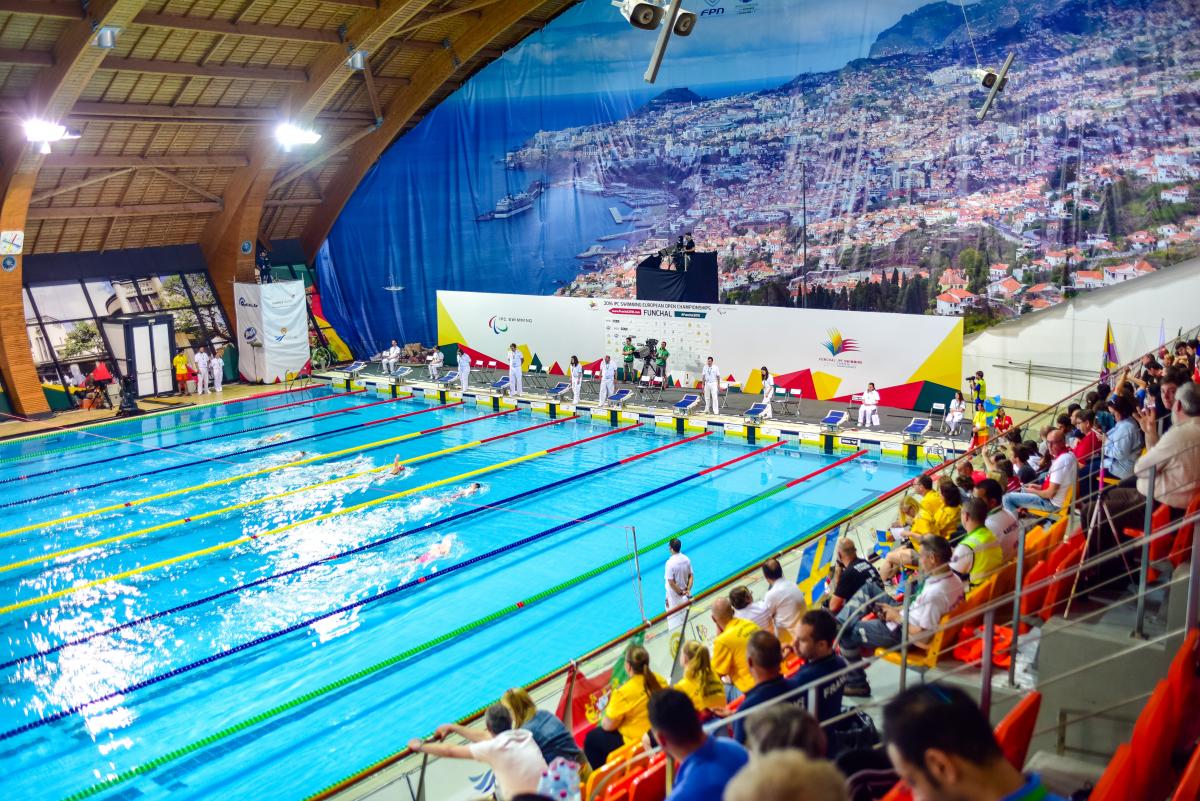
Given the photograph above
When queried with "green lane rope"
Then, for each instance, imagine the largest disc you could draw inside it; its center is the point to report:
(505, 611)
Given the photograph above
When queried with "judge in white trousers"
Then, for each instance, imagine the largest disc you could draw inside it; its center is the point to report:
(203, 371)
(608, 379)
(515, 362)
(464, 369)
(391, 359)
(217, 363)
(768, 385)
(711, 374)
(436, 361)
(868, 413)
(575, 375)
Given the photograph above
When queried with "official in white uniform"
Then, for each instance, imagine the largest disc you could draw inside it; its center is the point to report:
(608, 379)
(464, 369)
(768, 385)
(678, 579)
(515, 362)
(217, 363)
(575, 373)
(712, 386)
(436, 361)
(391, 358)
(202, 370)
(868, 414)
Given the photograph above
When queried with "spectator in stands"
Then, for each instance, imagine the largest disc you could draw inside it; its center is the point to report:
(1001, 421)
(551, 736)
(764, 656)
(1087, 448)
(678, 578)
(942, 591)
(944, 749)
(966, 486)
(1121, 444)
(729, 648)
(1006, 476)
(818, 636)
(955, 412)
(784, 601)
(700, 682)
(979, 554)
(746, 608)
(625, 719)
(782, 725)
(979, 426)
(1035, 454)
(1173, 378)
(787, 775)
(856, 583)
(945, 523)
(1001, 522)
(1026, 473)
(1061, 481)
(1104, 418)
(917, 515)
(706, 764)
(512, 754)
(1175, 458)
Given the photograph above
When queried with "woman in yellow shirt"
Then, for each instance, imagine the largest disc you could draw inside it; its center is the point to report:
(938, 515)
(700, 682)
(626, 717)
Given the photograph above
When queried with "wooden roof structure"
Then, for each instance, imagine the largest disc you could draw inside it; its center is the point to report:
(176, 122)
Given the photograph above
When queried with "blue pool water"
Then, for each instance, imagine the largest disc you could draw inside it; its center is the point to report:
(53, 591)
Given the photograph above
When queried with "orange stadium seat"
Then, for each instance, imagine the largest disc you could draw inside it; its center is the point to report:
(1160, 548)
(1181, 548)
(651, 785)
(1115, 782)
(1016, 730)
(1063, 577)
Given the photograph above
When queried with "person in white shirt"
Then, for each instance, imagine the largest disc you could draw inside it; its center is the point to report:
(784, 601)
(436, 361)
(1002, 523)
(712, 386)
(678, 578)
(575, 374)
(868, 413)
(1061, 479)
(203, 370)
(464, 369)
(515, 362)
(512, 754)
(746, 608)
(768, 385)
(217, 363)
(955, 412)
(608, 379)
(391, 359)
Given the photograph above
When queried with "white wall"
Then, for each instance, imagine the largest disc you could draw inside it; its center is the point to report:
(1070, 336)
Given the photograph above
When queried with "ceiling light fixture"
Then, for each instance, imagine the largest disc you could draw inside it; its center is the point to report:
(290, 135)
(106, 37)
(357, 60)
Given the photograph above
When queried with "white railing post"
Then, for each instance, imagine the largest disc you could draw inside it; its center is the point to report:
(909, 589)
(1143, 577)
(985, 680)
(1016, 612)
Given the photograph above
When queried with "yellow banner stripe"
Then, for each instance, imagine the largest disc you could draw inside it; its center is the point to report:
(217, 483)
(273, 532)
(46, 557)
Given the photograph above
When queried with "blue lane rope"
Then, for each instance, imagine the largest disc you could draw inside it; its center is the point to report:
(182, 465)
(64, 713)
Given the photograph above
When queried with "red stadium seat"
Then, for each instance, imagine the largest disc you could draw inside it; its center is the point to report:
(1153, 742)
(1063, 576)
(1189, 785)
(651, 785)
(1033, 599)
(1016, 730)
(1114, 784)
(1159, 548)
(1181, 548)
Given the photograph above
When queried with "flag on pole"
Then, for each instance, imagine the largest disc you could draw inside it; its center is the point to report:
(1109, 361)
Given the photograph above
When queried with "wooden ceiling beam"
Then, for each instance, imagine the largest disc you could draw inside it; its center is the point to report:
(432, 75)
(207, 115)
(58, 9)
(54, 92)
(355, 3)
(69, 161)
(29, 58)
(139, 210)
(233, 28)
(160, 67)
(95, 179)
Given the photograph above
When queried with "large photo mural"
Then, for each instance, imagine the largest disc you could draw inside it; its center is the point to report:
(830, 153)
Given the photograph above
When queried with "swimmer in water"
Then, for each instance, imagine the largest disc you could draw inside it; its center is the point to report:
(437, 550)
(278, 437)
(396, 468)
(465, 492)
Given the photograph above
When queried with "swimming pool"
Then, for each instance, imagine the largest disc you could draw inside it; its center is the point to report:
(244, 598)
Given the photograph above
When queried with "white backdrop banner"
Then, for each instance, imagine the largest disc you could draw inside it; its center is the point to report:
(273, 330)
(913, 360)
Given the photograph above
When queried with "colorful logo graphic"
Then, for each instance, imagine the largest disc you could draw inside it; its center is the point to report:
(282, 334)
(250, 334)
(839, 344)
(496, 327)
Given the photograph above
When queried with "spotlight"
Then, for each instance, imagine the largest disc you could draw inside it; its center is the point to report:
(290, 135)
(684, 22)
(641, 14)
(43, 131)
(357, 60)
(106, 37)
(994, 83)
(44, 149)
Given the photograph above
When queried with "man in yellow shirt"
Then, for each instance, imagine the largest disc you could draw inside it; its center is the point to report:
(729, 648)
(925, 522)
(181, 371)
